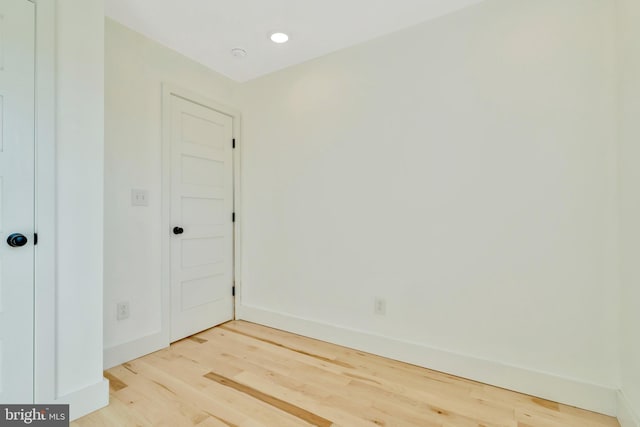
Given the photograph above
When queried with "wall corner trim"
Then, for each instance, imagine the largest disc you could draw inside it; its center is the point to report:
(626, 414)
(572, 392)
(86, 400)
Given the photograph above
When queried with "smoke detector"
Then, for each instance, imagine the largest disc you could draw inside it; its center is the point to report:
(238, 52)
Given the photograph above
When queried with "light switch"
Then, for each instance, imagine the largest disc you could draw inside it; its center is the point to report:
(139, 198)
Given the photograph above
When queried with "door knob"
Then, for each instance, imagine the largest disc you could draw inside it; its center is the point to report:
(17, 240)
(178, 230)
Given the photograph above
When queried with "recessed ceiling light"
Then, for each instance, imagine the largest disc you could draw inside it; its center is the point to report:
(238, 52)
(279, 37)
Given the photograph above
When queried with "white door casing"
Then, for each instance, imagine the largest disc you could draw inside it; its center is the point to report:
(17, 157)
(202, 206)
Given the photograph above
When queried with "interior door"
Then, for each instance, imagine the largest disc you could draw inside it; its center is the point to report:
(17, 145)
(201, 218)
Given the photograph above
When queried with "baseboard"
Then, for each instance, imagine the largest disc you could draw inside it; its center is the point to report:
(126, 352)
(626, 414)
(86, 400)
(568, 391)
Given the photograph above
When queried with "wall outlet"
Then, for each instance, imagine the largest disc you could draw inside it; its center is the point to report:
(380, 306)
(123, 310)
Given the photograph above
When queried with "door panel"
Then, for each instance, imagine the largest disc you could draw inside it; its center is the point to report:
(17, 59)
(201, 204)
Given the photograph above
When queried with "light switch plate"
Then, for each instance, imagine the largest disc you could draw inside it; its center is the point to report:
(139, 198)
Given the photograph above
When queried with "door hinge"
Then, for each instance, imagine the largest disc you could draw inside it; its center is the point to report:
(233, 217)
(35, 238)
(233, 143)
(233, 291)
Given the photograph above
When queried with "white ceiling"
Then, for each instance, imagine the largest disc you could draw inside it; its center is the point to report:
(207, 30)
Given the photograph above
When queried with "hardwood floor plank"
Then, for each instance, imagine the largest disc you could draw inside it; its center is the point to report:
(117, 414)
(246, 375)
(216, 399)
(296, 411)
(114, 382)
(324, 359)
(317, 399)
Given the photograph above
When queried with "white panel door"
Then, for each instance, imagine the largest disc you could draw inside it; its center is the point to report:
(17, 63)
(201, 218)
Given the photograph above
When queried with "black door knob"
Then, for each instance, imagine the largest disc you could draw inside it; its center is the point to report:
(16, 240)
(178, 230)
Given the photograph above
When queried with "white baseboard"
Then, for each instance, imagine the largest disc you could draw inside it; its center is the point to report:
(126, 352)
(86, 400)
(568, 391)
(626, 414)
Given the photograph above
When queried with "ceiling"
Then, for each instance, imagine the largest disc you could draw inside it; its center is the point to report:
(207, 30)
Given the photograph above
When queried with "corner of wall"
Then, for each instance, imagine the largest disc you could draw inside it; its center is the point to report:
(626, 414)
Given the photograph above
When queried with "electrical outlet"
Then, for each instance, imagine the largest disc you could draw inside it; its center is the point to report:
(380, 306)
(123, 310)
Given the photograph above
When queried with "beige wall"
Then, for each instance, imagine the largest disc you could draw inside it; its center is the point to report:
(629, 25)
(136, 67)
(465, 171)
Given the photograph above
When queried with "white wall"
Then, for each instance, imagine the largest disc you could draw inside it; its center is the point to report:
(465, 171)
(629, 21)
(136, 67)
(79, 212)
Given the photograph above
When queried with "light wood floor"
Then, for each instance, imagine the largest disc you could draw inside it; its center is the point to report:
(245, 375)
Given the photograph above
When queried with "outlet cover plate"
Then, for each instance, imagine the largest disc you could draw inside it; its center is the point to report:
(139, 197)
(123, 310)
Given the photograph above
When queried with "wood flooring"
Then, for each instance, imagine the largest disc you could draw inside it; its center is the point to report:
(245, 375)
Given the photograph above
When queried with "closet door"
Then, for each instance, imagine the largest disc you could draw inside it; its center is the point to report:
(17, 157)
(201, 218)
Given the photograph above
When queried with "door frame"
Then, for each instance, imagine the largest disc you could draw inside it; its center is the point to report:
(45, 355)
(169, 90)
